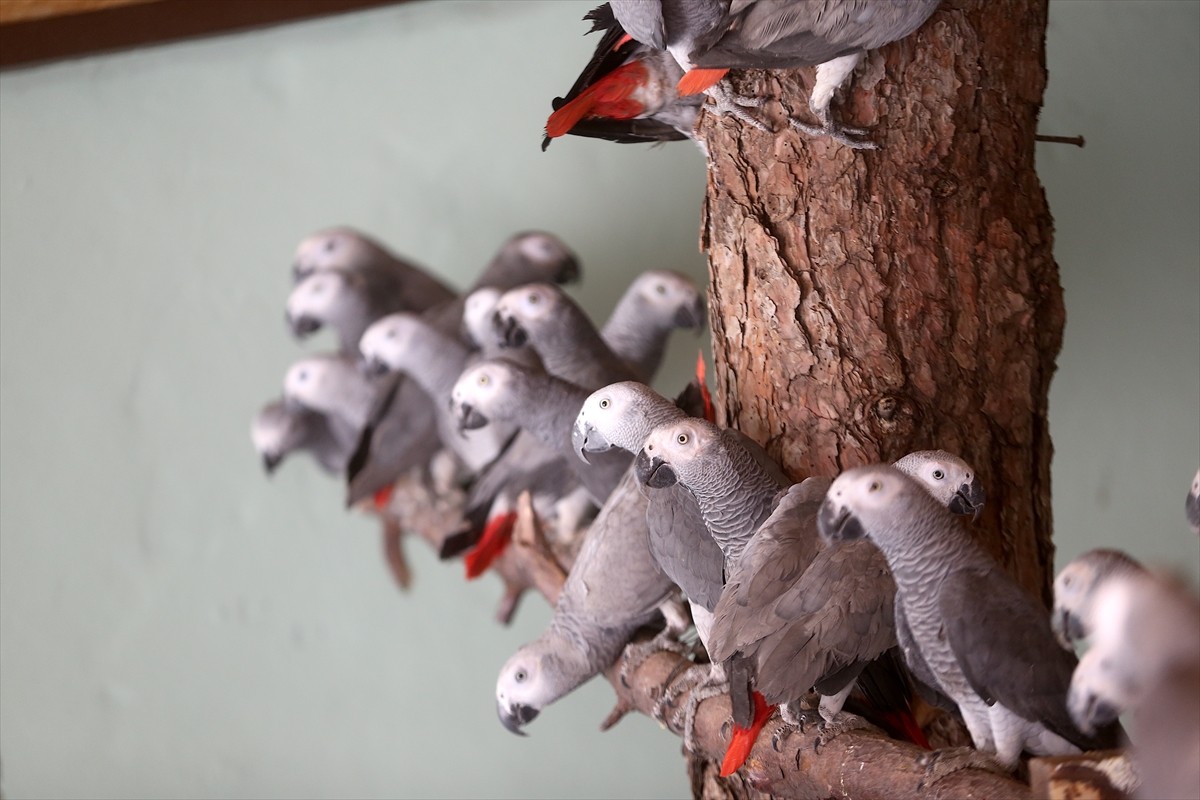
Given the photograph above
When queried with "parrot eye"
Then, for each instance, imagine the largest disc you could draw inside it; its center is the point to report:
(875, 486)
(329, 245)
(604, 403)
(1066, 580)
(660, 289)
(520, 676)
(682, 438)
(302, 375)
(483, 380)
(534, 299)
(391, 333)
(938, 474)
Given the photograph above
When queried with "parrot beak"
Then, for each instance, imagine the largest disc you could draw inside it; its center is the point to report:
(586, 439)
(838, 525)
(693, 317)
(968, 499)
(569, 272)
(373, 367)
(514, 718)
(302, 326)
(270, 462)
(511, 334)
(468, 418)
(653, 471)
(1067, 628)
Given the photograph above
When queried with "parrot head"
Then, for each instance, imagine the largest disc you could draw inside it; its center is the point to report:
(479, 393)
(317, 299)
(384, 343)
(528, 682)
(524, 310)
(478, 325)
(1076, 588)
(671, 299)
(671, 450)
(603, 420)
(333, 249)
(863, 491)
(950, 480)
(548, 254)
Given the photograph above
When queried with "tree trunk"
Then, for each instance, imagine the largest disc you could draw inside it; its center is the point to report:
(870, 303)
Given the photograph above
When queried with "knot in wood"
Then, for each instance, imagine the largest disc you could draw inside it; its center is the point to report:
(890, 416)
(945, 187)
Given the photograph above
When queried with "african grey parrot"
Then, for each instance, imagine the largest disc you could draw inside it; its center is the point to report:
(736, 487)
(543, 317)
(333, 385)
(613, 589)
(625, 94)
(1144, 626)
(405, 343)
(709, 37)
(656, 302)
(281, 428)
(1075, 589)
(403, 429)
(546, 406)
(406, 286)
(808, 615)
(1192, 506)
(961, 621)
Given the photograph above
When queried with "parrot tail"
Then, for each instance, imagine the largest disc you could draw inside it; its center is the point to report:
(741, 741)
(496, 536)
(696, 81)
(609, 97)
(383, 498)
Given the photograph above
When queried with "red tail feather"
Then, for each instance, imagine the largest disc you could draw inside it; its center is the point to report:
(696, 81)
(496, 536)
(608, 97)
(383, 498)
(903, 726)
(622, 41)
(742, 740)
(710, 413)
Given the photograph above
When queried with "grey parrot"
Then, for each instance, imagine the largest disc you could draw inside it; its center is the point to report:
(709, 37)
(960, 620)
(1144, 626)
(657, 302)
(625, 94)
(333, 385)
(1075, 589)
(542, 316)
(811, 615)
(1192, 506)
(546, 406)
(347, 250)
(403, 429)
(281, 428)
(613, 589)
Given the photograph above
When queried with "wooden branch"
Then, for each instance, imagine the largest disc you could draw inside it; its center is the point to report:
(859, 763)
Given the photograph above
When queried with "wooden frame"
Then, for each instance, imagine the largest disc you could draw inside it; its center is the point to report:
(34, 31)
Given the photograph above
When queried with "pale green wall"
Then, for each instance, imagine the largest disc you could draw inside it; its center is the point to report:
(175, 624)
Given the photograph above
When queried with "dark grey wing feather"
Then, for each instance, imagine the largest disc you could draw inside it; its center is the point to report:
(682, 546)
(1002, 640)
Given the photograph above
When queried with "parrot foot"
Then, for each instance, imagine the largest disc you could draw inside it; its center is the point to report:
(637, 653)
(942, 763)
(793, 717)
(728, 102)
(850, 137)
(831, 729)
(706, 689)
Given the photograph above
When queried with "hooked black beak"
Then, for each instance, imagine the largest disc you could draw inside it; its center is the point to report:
(516, 717)
(586, 439)
(1068, 628)
(469, 419)
(270, 462)
(373, 367)
(302, 326)
(299, 271)
(839, 525)
(569, 272)
(653, 471)
(968, 499)
(512, 335)
(693, 317)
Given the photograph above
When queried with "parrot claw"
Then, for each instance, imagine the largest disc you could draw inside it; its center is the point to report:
(728, 102)
(832, 729)
(637, 653)
(703, 691)
(942, 763)
(841, 135)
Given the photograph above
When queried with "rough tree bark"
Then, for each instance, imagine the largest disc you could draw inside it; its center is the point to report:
(870, 303)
